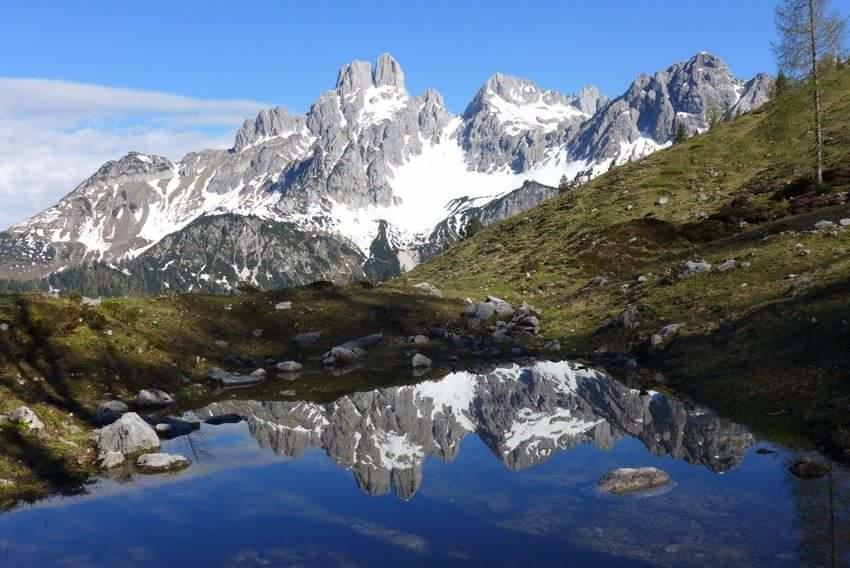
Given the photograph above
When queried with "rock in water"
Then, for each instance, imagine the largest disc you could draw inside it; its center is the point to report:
(153, 398)
(129, 434)
(628, 479)
(160, 463)
(24, 415)
(111, 460)
(808, 468)
(420, 361)
(232, 379)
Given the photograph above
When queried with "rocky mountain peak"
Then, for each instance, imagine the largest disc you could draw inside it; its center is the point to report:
(269, 123)
(354, 76)
(589, 100)
(388, 72)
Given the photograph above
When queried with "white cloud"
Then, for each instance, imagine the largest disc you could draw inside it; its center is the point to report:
(54, 134)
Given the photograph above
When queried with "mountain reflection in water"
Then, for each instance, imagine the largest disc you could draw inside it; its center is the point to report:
(522, 414)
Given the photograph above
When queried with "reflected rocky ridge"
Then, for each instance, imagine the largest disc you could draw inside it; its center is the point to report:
(523, 414)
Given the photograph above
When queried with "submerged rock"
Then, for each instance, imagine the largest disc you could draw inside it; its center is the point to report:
(174, 427)
(223, 419)
(808, 468)
(628, 479)
(153, 398)
(159, 463)
(129, 434)
(226, 379)
(25, 415)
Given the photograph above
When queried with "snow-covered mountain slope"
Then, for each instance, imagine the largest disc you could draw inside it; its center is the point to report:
(369, 167)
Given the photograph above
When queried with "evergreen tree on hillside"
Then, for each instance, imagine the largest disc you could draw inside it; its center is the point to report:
(681, 132)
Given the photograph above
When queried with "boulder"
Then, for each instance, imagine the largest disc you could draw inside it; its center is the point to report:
(730, 264)
(289, 366)
(420, 361)
(429, 288)
(111, 459)
(109, 411)
(153, 398)
(419, 339)
(665, 333)
(844, 222)
(503, 308)
(226, 379)
(628, 479)
(306, 339)
(25, 416)
(283, 306)
(160, 463)
(694, 268)
(129, 434)
(259, 373)
(343, 355)
(808, 468)
(366, 341)
(480, 311)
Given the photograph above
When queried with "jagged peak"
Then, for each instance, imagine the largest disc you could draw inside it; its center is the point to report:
(353, 76)
(388, 72)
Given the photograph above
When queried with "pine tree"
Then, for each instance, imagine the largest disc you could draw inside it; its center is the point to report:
(681, 132)
(780, 86)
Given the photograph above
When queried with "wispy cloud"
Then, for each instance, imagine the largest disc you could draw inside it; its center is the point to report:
(54, 134)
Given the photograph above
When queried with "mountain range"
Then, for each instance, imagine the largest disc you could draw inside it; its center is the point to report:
(524, 415)
(368, 183)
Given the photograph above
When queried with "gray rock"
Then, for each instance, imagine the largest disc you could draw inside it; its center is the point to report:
(598, 281)
(662, 201)
(306, 339)
(420, 361)
(161, 463)
(173, 427)
(694, 268)
(283, 306)
(259, 373)
(128, 435)
(109, 411)
(258, 333)
(419, 340)
(227, 379)
(844, 222)
(726, 265)
(429, 288)
(25, 416)
(824, 225)
(153, 398)
(503, 308)
(627, 479)
(480, 311)
(91, 302)
(111, 459)
(289, 366)
(343, 355)
(665, 333)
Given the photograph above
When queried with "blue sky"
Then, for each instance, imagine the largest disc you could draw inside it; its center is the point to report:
(166, 77)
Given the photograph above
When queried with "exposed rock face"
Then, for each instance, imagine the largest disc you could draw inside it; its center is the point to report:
(129, 434)
(524, 415)
(369, 181)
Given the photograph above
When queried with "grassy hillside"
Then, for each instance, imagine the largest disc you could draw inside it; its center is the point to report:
(768, 347)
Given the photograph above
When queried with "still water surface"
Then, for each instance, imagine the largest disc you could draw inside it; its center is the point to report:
(498, 468)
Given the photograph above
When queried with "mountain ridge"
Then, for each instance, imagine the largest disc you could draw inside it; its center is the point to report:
(368, 155)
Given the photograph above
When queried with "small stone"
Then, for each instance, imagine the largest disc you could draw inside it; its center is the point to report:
(259, 373)
(153, 398)
(419, 340)
(221, 344)
(24, 415)
(598, 281)
(420, 361)
(257, 333)
(726, 265)
(161, 462)
(842, 222)
(823, 225)
(289, 366)
(4, 327)
(693, 268)
(282, 306)
(662, 201)
(429, 288)
(111, 459)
